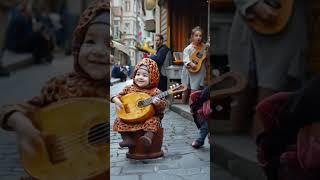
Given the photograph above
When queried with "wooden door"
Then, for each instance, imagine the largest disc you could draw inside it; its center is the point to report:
(185, 15)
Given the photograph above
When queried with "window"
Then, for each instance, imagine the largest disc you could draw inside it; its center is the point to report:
(116, 3)
(127, 5)
(116, 22)
(116, 29)
(127, 28)
(116, 32)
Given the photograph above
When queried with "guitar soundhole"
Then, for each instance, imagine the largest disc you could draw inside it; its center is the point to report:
(99, 134)
(199, 55)
(140, 104)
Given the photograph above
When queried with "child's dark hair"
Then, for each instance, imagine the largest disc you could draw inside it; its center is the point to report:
(160, 36)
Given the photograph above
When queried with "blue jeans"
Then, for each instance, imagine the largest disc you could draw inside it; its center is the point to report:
(203, 132)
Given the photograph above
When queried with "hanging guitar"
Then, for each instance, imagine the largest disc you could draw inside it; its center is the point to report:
(284, 10)
(76, 137)
(197, 57)
(137, 106)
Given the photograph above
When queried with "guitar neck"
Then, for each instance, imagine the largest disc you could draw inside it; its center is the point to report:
(148, 101)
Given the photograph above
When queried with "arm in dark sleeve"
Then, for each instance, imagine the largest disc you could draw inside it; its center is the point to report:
(243, 5)
(161, 56)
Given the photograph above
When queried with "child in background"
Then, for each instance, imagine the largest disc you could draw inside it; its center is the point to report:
(195, 79)
(145, 79)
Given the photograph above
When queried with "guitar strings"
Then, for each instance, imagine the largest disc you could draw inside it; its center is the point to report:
(75, 135)
(67, 147)
(70, 148)
(64, 142)
(66, 153)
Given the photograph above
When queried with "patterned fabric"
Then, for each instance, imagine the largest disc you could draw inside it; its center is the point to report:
(94, 9)
(199, 102)
(153, 70)
(153, 123)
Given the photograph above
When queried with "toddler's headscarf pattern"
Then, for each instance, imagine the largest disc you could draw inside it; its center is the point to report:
(96, 7)
(153, 71)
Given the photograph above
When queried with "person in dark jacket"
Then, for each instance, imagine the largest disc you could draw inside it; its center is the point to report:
(162, 51)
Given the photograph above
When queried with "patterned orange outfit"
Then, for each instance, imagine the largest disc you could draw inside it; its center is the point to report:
(153, 123)
(74, 84)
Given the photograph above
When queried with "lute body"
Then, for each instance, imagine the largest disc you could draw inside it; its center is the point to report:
(76, 136)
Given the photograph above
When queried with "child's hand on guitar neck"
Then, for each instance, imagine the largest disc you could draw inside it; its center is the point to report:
(156, 101)
(28, 137)
(207, 45)
(191, 65)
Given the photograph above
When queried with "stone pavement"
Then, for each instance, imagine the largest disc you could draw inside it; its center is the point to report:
(180, 161)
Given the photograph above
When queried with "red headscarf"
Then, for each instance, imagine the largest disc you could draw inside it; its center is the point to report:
(96, 7)
(153, 71)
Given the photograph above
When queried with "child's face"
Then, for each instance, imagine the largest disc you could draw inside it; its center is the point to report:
(93, 52)
(197, 37)
(142, 78)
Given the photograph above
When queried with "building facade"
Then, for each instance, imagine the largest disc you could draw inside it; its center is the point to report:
(127, 26)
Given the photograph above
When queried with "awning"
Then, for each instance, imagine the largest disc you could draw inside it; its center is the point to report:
(145, 48)
(121, 47)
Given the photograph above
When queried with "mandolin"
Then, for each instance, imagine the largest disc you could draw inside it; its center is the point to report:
(76, 137)
(137, 106)
(284, 10)
(197, 57)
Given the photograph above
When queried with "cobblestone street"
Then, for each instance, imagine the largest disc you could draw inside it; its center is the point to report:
(180, 161)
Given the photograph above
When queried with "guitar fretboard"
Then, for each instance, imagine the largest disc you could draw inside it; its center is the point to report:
(148, 101)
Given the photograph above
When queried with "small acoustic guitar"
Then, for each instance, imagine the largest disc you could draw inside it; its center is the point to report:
(138, 106)
(197, 57)
(284, 10)
(76, 137)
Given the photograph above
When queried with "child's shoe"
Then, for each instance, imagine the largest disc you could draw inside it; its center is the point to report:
(146, 139)
(127, 141)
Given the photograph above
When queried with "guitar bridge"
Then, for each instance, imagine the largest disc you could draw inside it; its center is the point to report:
(55, 151)
(126, 108)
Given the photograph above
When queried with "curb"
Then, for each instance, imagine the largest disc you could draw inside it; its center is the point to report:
(115, 82)
(19, 62)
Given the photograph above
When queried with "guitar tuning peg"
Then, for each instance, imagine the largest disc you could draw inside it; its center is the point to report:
(178, 95)
(173, 85)
(175, 96)
(177, 84)
(170, 87)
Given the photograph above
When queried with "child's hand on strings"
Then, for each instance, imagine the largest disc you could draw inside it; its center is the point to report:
(28, 137)
(156, 101)
(191, 65)
(118, 103)
(207, 45)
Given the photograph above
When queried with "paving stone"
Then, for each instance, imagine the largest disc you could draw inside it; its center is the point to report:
(127, 177)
